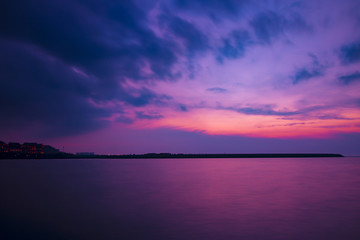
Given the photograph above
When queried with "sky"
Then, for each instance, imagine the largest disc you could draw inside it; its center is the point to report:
(189, 76)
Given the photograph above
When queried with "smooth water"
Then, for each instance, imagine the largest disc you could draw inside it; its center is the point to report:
(312, 198)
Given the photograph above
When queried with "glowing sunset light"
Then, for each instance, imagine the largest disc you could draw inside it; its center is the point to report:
(292, 124)
(137, 75)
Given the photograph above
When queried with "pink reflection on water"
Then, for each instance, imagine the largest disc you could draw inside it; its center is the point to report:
(244, 197)
(183, 198)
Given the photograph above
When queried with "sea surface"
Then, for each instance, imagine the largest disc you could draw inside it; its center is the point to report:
(274, 198)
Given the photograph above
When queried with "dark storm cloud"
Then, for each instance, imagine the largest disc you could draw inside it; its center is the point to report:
(36, 92)
(350, 53)
(217, 90)
(347, 79)
(213, 8)
(62, 59)
(269, 25)
(142, 115)
(193, 38)
(103, 39)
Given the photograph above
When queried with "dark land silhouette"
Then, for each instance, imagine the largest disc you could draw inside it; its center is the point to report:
(40, 151)
(246, 155)
(15, 150)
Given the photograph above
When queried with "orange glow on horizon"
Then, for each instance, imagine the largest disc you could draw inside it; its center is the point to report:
(224, 122)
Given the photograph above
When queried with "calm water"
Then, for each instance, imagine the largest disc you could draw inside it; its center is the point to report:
(181, 199)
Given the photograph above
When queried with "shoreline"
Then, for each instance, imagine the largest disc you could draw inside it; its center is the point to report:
(170, 156)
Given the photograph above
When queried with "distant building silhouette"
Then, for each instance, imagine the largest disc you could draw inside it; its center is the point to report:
(33, 148)
(14, 148)
(26, 150)
(4, 148)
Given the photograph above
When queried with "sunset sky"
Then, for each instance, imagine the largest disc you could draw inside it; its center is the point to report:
(191, 76)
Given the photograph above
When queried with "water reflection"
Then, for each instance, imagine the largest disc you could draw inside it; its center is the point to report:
(181, 199)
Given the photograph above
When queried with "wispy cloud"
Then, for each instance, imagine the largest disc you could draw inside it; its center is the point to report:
(217, 90)
(151, 116)
(234, 46)
(353, 77)
(314, 69)
(269, 25)
(264, 111)
(350, 53)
